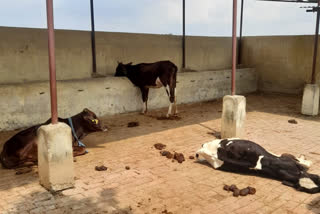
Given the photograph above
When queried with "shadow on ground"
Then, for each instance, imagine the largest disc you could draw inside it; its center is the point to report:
(314, 205)
(286, 105)
(198, 113)
(46, 202)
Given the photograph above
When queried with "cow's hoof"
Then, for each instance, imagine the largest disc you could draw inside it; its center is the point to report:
(104, 129)
(168, 115)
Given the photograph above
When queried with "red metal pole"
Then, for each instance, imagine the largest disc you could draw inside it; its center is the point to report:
(52, 63)
(316, 37)
(234, 48)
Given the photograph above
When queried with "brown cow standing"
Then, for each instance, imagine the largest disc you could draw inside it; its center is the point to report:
(21, 149)
(152, 75)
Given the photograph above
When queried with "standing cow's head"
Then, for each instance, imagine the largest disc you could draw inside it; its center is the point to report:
(122, 69)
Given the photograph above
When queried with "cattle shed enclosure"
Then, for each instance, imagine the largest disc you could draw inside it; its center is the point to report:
(280, 64)
(136, 176)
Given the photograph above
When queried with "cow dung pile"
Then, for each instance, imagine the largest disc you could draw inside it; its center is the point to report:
(159, 146)
(243, 192)
(101, 168)
(168, 154)
(179, 157)
(166, 212)
(133, 124)
(292, 121)
(175, 156)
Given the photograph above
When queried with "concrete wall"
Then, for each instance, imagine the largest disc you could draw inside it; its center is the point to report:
(283, 63)
(24, 54)
(27, 104)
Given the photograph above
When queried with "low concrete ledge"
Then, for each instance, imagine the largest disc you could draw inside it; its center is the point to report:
(23, 105)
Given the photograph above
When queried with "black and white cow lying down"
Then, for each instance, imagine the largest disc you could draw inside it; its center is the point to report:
(152, 75)
(239, 155)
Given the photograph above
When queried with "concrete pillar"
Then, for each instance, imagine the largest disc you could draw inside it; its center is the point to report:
(55, 157)
(310, 100)
(233, 116)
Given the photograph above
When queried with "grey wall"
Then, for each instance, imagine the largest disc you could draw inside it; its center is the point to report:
(24, 54)
(283, 63)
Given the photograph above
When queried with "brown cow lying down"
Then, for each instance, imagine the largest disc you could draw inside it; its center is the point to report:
(239, 155)
(21, 149)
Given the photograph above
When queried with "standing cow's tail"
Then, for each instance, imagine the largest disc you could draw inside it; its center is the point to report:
(2, 159)
(173, 83)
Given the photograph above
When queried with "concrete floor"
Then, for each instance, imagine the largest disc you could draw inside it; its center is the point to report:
(155, 184)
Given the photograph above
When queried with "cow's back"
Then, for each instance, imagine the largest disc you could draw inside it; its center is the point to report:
(10, 154)
(147, 73)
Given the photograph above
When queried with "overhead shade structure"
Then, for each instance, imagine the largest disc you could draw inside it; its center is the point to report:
(294, 1)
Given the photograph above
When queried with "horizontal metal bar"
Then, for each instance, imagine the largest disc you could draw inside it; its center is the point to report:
(293, 1)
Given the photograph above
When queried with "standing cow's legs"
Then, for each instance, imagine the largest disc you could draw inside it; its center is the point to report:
(169, 110)
(144, 92)
(175, 103)
(171, 99)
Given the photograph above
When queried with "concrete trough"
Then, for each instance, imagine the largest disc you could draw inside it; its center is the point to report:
(23, 105)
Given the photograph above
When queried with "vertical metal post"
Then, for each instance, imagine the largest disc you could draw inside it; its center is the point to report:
(93, 39)
(52, 63)
(316, 37)
(234, 48)
(240, 39)
(183, 34)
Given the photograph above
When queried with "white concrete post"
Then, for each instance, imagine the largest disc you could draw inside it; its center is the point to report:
(233, 116)
(55, 157)
(310, 100)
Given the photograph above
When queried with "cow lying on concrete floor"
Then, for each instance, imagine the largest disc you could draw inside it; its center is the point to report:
(152, 75)
(21, 149)
(238, 155)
